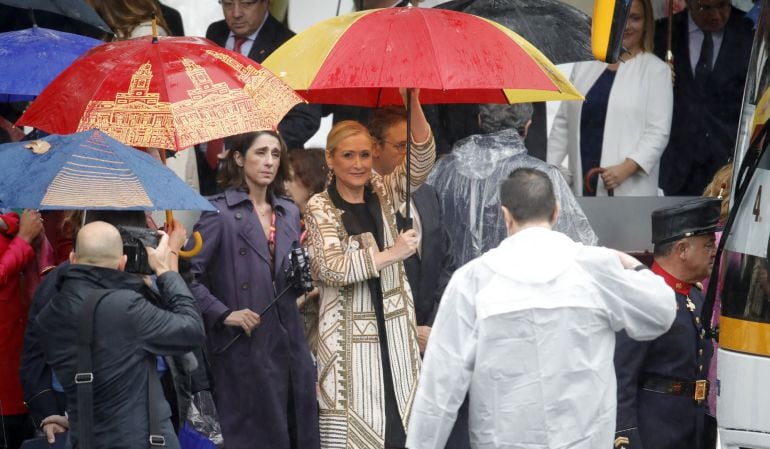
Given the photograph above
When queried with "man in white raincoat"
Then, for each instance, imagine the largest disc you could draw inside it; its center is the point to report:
(529, 329)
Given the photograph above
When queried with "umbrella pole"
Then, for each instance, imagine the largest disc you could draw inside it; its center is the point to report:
(408, 217)
(169, 214)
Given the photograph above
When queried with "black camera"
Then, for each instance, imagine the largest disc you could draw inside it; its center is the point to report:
(134, 241)
(298, 271)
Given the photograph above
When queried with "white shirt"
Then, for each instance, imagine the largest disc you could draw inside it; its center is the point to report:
(696, 41)
(246, 46)
(529, 329)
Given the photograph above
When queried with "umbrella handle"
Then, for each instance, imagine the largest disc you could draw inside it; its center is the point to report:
(195, 249)
(587, 180)
(190, 253)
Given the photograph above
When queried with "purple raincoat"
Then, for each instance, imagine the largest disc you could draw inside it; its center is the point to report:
(263, 385)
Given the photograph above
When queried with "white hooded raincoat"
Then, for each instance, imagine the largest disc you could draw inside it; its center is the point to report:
(529, 329)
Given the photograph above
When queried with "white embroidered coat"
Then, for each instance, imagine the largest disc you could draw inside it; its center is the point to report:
(350, 380)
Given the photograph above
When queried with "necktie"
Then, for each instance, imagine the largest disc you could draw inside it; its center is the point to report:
(213, 149)
(703, 68)
(239, 41)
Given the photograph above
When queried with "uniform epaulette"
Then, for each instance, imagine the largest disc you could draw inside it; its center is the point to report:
(621, 442)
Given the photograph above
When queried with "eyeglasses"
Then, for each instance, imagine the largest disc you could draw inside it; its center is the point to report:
(715, 7)
(246, 4)
(400, 146)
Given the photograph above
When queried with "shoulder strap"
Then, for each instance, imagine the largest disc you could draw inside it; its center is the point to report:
(153, 394)
(84, 377)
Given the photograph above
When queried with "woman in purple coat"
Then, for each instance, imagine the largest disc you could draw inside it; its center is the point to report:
(263, 380)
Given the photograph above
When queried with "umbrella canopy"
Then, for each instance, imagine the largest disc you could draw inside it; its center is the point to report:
(32, 58)
(166, 92)
(74, 9)
(363, 58)
(89, 170)
(561, 31)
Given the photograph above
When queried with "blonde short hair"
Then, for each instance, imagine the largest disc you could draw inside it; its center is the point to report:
(343, 130)
(723, 177)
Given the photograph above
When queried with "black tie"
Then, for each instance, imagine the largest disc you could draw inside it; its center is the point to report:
(703, 69)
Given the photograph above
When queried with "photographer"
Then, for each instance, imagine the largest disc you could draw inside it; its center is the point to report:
(263, 375)
(128, 330)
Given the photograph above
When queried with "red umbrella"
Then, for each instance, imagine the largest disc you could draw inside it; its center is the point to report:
(162, 92)
(452, 57)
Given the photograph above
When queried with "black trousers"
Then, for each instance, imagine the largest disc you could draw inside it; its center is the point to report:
(14, 429)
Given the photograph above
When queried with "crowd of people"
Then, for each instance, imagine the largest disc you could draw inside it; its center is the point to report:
(476, 312)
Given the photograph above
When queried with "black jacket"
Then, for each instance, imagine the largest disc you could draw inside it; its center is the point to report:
(429, 274)
(35, 373)
(303, 120)
(37, 377)
(705, 123)
(127, 330)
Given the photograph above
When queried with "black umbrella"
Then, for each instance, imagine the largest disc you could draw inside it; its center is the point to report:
(562, 32)
(73, 9)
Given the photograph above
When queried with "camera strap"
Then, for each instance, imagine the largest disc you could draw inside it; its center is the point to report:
(84, 378)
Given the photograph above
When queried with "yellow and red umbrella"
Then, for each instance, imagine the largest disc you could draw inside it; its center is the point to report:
(364, 58)
(162, 92)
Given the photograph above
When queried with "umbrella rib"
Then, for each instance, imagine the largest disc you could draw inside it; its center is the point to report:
(433, 50)
(164, 80)
(98, 88)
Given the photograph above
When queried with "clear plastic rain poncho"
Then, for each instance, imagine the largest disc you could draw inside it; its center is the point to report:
(468, 182)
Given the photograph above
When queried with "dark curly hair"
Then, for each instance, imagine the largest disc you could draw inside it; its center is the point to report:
(230, 175)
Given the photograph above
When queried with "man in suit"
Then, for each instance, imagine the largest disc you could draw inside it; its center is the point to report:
(662, 386)
(249, 29)
(711, 48)
(430, 268)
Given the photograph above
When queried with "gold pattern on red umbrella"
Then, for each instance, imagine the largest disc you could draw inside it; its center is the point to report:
(139, 118)
(167, 93)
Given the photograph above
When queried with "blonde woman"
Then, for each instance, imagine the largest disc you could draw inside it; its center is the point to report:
(624, 124)
(368, 354)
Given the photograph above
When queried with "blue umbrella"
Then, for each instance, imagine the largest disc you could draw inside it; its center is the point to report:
(89, 170)
(32, 58)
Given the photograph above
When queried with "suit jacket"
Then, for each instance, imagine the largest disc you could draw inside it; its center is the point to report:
(705, 124)
(429, 273)
(303, 120)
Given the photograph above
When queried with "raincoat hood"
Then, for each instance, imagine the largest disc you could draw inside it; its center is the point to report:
(468, 181)
(540, 244)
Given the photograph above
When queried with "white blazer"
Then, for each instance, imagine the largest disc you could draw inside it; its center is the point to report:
(637, 125)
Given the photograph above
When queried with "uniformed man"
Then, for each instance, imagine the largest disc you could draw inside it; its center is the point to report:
(662, 386)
